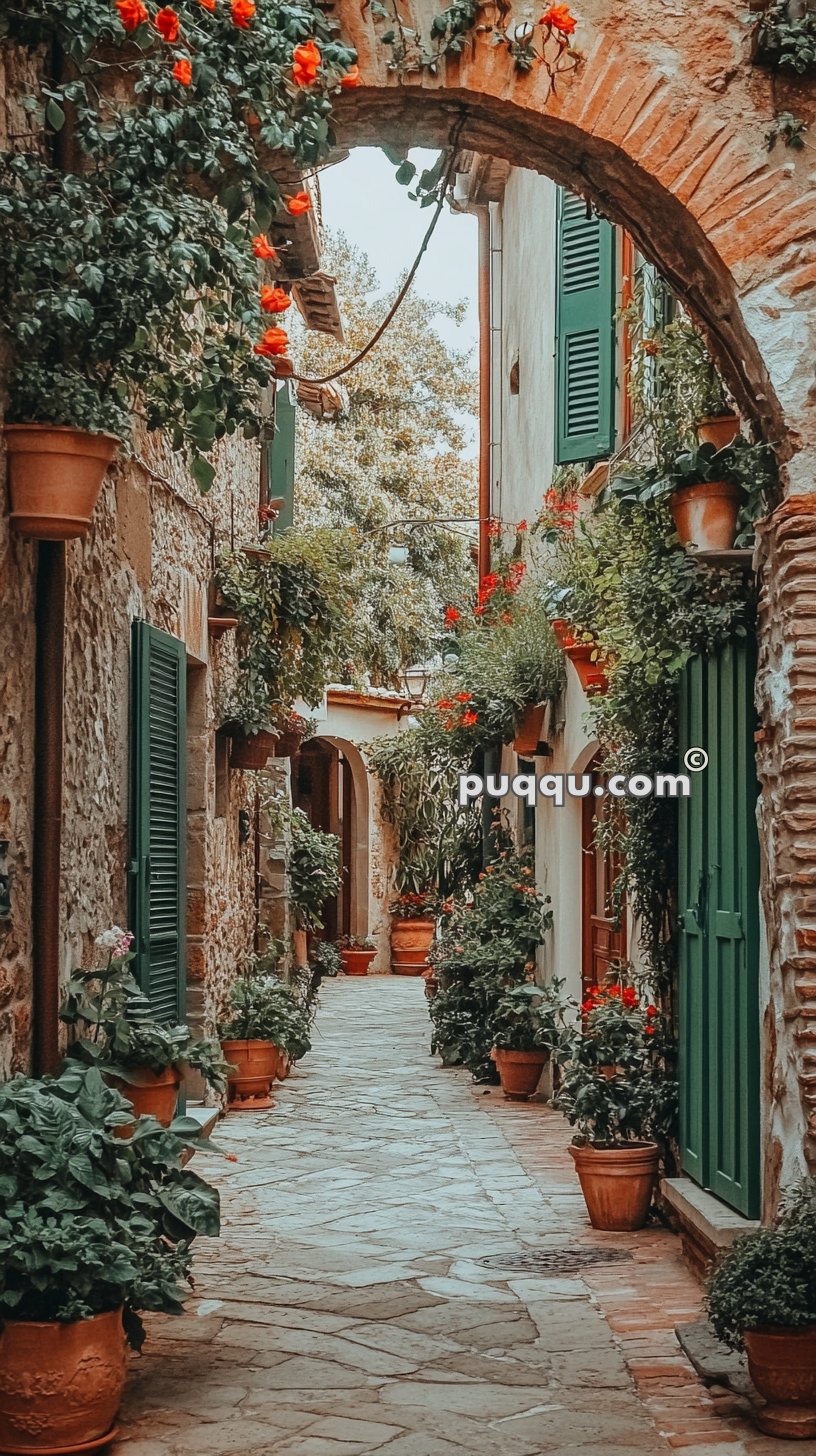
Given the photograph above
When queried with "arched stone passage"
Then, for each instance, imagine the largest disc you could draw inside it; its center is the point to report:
(664, 126)
(354, 830)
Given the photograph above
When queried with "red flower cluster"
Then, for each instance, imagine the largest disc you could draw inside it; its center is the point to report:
(242, 12)
(558, 17)
(494, 529)
(451, 617)
(183, 72)
(558, 512)
(274, 343)
(306, 64)
(601, 995)
(168, 25)
(132, 14)
(274, 300)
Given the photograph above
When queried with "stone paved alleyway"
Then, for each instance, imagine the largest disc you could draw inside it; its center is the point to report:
(344, 1309)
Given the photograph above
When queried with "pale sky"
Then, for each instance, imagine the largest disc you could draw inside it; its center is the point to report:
(362, 200)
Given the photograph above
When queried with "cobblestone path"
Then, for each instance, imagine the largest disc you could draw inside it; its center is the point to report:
(345, 1309)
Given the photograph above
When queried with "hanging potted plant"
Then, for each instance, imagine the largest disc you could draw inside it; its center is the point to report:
(528, 1027)
(294, 732)
(95, 1225)
(356, 954)
(249, 721)
(220, 619)
(762, 1299)
(413, 925)
(528, 729)
(589, 663)
(263, 1032)
(144, 1058)
(706, 496)
(614, 1093)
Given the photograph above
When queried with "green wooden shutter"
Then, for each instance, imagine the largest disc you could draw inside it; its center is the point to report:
(280, 457)
(158, 810)
(585, 334)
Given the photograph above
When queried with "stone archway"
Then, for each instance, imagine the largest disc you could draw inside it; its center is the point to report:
(664, 126)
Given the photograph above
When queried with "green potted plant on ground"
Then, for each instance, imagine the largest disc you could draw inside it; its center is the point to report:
(762, 1298)
(313, 868)
(528, 1028)
(615, 1094)
(145, 1058)
(263, 1032)
(356, 954)
(324, 959)
(95, 1226)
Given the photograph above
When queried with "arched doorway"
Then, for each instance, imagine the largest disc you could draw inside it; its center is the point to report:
(331, 787)
(603, 921)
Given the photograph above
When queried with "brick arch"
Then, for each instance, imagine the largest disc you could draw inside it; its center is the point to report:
(666, 132)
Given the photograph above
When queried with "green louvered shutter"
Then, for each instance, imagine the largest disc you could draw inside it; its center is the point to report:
(585, 329)
(280, 457)
(158, 808)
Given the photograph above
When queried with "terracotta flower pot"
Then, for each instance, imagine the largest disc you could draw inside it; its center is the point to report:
(357, 962)
(252, 750)
(411, 939)
(520, 1072)
(253, 1067)
(529, 729)
(55, 476)
(563, 633)
(617, 1184)
(60, 1384)
(705, 515)
(782, 1365)
(152, 1094)
(591, 674)
(718, 430)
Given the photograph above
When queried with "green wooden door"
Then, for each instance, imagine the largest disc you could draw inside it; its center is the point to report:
(158, 807)
(718, 1006)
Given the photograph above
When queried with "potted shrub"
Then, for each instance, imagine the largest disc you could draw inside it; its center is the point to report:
(527, 1027)
(324, 960)
(528, 729)
(413, 925)
(144, 1058)
(615, 1095)
(314, 874)
(762, 1298)
(95, 1226)
(263, 1032)
(589, 663)
(356, 954)
(705, 497)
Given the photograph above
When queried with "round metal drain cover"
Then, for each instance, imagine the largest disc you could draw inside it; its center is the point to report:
(554, 1261)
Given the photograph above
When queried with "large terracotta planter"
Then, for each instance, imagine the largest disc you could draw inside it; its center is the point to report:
(718, 430)
(152, 1094)
(55, 476)
(617, 1184)
(60, 1384)
(357, 962)
(253, 1068)
(252, 750)
(591, 673)
(705, 515)
(411, 939)
(529, 729)
(520, 1072)
(782, 1365)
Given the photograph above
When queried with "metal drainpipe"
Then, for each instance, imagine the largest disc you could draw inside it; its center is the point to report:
(484, 389)
(49, 681)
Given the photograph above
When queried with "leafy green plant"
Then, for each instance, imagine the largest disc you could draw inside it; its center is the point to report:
(767, 1280)
(120, 1034)
(614, 1087)
(292, 602)
(357, 942)
(314, 871)
(261, 1007)
(488, 945)
(91, 1219)
(324, 958)
(531, 1016)
(786, 36)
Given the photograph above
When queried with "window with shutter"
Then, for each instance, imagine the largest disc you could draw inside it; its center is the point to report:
(158, 808)
(585, 333)
(280, 458)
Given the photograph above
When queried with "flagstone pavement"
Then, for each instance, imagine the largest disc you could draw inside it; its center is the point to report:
(344, 1309)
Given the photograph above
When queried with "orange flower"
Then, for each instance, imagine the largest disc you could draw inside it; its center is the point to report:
(183, 72)
(451, 616)
(306, 64)
(167, 24)
(275, 300)
(468, 719)
(297, 205)
(463, 697)
(351, 79)
(242, 12)
(274, 343)
(262, 248)
(208, 4)
(132, 14)
(558, 17)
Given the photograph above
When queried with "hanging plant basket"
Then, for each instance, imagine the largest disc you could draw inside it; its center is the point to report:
(61, 1385)
(288, 745)
(563, 632)
(252, 750)
(718, 430)
(55, 476)
(705, 515)
(589, 667)
(528, 733)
